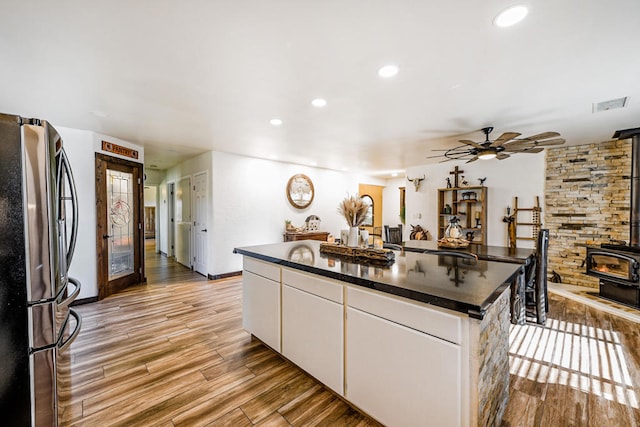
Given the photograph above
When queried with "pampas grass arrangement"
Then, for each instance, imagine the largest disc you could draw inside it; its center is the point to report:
(354, 210)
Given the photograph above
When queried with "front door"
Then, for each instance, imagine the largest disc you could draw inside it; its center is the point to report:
(119, 238)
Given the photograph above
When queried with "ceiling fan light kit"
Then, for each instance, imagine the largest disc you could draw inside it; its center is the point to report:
(487, 154)
(501, 148)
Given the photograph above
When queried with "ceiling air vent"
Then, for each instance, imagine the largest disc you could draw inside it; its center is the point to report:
(609, 105)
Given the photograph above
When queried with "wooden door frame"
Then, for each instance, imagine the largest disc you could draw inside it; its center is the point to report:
(102, 229)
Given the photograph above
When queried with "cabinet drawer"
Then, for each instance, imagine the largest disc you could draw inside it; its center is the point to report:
(316, 285)
(430, 320)
(261, 268)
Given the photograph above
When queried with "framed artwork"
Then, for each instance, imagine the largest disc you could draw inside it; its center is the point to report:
(300, 191)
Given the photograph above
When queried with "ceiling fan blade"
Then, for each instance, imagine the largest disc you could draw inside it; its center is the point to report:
(502, 156)
(557, 141)
(544, 135)
(433, 157)
(471, 143)
(517, 145)
(507, 136)
(534, 150)
(473, 159)
(527, 150)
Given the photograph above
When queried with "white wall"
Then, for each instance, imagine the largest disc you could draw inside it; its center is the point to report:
(251, 205)
(81, 147)
(150, 195)
(521, 175)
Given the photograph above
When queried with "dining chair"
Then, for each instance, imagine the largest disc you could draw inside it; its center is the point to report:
(393, 234)
(536, 291)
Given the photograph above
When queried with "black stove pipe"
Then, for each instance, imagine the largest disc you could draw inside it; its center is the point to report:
(634, 214)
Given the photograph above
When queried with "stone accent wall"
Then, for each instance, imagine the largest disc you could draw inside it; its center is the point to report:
(493, 357)
(586, 202)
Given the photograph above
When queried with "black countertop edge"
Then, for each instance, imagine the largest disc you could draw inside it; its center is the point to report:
(473, 311)
(481, 256)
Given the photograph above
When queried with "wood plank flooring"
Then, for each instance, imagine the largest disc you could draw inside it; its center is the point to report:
(173, 353)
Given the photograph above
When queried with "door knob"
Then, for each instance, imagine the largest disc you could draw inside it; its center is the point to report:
(106, 236)
(205, 230)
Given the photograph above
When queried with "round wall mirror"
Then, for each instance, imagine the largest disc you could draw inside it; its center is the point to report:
(300, 191)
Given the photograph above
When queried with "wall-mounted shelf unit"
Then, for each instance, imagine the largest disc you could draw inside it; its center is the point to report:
(469, 204)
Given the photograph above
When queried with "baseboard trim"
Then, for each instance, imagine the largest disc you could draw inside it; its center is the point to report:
(82, 301)
(224, 275)
(164, 254)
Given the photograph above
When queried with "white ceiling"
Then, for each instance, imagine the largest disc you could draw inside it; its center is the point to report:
(184, 76)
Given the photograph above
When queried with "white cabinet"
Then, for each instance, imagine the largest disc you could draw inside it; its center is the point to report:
(313, 326)
(400, 376)
(403, 362)
(261, 301)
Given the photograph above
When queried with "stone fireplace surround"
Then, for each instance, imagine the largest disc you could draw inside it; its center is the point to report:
(587, 193)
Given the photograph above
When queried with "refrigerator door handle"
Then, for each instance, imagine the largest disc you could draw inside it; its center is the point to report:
(63, 344)
(73, 295)
(73, 198)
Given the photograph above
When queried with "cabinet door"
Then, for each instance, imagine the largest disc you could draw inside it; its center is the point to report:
(261, 308)
(400, 376)
(312, 335)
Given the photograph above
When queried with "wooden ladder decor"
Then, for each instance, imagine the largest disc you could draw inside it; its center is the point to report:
(535, 222)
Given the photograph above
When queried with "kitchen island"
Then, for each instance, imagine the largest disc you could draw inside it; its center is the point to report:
(421, 341)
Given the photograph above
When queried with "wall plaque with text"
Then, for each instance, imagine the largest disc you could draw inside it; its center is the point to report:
(118, 149)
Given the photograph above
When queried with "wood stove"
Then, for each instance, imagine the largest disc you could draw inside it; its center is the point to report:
(617, 265)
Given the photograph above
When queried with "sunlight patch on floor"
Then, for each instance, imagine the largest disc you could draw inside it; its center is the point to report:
(585, 358)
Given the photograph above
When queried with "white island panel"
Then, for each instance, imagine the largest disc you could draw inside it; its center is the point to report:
(400, 376)
(313, 335)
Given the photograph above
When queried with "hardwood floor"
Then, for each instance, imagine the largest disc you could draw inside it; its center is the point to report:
(173, 353)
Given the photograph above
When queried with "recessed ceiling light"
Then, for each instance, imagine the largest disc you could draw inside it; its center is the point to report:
(319, 102)
(394, 174)
(510, 16)
(275, 122)
(388, 71)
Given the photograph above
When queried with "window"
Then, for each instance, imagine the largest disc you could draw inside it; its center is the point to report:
(368, 221)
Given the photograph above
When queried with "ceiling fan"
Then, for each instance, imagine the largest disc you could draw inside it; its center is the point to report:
(499, 148)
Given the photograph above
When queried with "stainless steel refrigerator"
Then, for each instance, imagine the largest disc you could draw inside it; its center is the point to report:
(38, 228)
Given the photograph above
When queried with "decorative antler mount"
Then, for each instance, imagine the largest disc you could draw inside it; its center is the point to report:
(417, 181)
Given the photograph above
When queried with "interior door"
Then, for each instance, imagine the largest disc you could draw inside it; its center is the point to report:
(183, 221)
(120, 237)
(200, 222)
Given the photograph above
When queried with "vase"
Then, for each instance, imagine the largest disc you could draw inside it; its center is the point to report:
(352, 241)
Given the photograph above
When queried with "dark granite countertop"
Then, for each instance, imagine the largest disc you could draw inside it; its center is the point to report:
(484, 252)
(463, 285)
